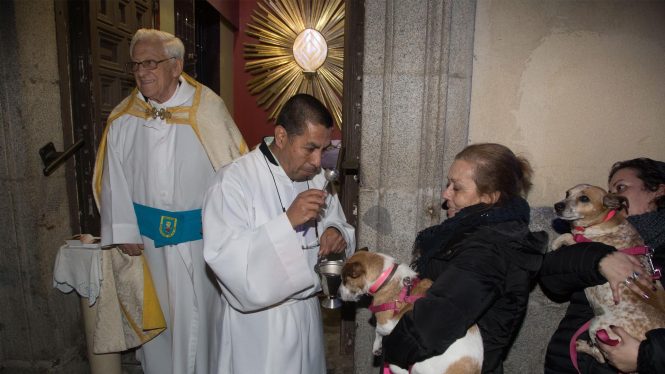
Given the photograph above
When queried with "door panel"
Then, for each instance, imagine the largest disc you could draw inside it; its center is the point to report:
(99, 35)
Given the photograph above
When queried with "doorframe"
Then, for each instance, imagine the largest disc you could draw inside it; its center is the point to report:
(65, 71)
(354, 43)
(352, 106)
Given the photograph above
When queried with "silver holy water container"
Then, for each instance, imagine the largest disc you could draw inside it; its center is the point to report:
(330, 273)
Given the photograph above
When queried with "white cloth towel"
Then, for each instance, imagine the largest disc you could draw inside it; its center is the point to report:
(79, 268)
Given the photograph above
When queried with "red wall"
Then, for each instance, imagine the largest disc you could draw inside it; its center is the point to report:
(251, 119)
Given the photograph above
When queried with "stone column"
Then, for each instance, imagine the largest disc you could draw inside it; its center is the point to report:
(41, 328)
(416, 91)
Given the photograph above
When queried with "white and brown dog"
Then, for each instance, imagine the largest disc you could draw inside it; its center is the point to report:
(394, 288)
(595, 216)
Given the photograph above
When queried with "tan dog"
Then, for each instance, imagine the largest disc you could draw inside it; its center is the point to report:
(595, 217)
(394, 288)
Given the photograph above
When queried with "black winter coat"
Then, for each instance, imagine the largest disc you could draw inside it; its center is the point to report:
(482, 276)
(564, 275)
(651, 357)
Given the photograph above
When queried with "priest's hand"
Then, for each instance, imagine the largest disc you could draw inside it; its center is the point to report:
(131, 249)
(331, 241)
(307, 206)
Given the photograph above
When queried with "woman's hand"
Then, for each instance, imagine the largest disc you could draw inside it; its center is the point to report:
(622, 356)
(618, 267)
(653, 295)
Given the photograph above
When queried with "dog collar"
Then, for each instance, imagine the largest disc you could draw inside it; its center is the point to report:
(383, 279)
(608, 217)
(579, 237)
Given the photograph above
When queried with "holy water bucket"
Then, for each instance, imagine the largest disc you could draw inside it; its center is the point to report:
(330, 273)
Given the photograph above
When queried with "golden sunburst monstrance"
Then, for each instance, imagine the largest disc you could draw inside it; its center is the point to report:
(300, 50)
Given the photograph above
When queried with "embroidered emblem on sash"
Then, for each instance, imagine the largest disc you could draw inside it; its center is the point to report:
(167, 226)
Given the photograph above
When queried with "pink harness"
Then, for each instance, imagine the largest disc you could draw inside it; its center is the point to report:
(404, 297)
(602, 335)
(386, 369)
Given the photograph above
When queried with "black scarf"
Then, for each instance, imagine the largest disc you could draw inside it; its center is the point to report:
(434, 239)
(651, 227)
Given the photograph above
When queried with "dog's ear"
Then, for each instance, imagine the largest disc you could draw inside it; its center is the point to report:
(353, 270)
(614, 201)
(363, 249)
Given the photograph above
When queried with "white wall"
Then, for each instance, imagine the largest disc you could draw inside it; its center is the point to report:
(572, 85)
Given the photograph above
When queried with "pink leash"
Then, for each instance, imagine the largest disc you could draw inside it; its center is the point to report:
(602, 335)
(572, 349)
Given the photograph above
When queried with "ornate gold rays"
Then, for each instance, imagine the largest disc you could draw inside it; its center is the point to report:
(300, 50)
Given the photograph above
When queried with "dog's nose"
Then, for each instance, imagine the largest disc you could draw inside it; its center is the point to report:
(559, 207)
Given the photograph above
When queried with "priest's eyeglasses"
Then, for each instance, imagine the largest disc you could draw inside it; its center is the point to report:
(147, 65)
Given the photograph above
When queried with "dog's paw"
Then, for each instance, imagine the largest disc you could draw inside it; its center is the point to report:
(377, 349)
(377, 344)
(583, 346)
(561, 240)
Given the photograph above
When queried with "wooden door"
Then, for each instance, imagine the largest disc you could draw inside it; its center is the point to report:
(98, 33)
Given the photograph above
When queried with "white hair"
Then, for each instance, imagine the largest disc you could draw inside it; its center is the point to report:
(173, 46)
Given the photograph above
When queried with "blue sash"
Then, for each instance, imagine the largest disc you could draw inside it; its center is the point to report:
(169, 228)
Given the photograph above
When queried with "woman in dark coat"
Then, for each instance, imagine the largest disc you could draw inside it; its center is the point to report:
(569, 270)
(483, 260)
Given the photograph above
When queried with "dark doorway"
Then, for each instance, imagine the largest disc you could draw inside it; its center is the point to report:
(207, 44)
(185, 29)
(197, 25)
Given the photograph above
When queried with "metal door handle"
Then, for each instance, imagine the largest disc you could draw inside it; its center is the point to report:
(52, 159)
